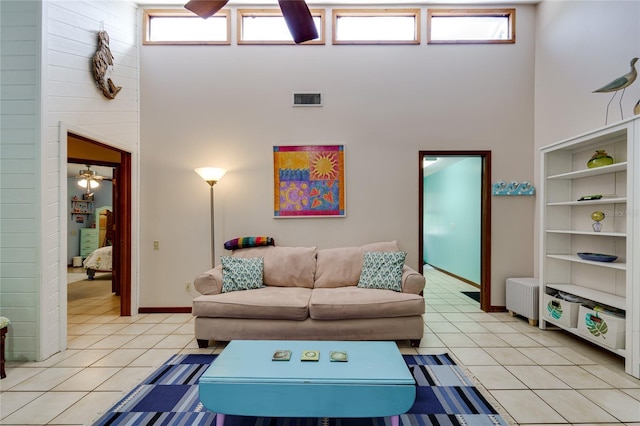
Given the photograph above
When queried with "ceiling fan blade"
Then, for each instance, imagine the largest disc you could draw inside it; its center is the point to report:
(298, 17)
(205, 8)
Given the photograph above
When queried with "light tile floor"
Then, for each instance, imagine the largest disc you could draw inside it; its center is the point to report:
(533, 377)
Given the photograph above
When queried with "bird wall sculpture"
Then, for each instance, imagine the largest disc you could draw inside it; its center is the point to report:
(619, 83)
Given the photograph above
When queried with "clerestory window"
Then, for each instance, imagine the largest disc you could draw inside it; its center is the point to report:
(376, 26)
(468, 26)
(169, 26)
(267, 26)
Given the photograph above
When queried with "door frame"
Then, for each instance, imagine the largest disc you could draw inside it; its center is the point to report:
(485, 218)
(122, 205)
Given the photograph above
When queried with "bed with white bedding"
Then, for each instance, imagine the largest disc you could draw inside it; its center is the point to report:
(100, 260)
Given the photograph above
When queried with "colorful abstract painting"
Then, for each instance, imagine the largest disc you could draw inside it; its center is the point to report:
(308, 181)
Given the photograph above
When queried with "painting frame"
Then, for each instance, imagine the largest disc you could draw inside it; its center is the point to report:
(309, 181)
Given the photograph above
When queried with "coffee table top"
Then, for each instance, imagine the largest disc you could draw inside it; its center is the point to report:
(250, 361)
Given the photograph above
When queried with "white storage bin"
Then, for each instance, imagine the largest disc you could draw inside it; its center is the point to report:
(560, 311)
(601, 327)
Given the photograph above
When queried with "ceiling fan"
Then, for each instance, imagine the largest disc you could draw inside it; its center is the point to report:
(89, 179)
(296, 14)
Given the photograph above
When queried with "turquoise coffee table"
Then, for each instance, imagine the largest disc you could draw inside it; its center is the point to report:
(245, 381)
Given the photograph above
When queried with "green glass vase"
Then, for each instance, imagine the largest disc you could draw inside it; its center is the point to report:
(599, 159)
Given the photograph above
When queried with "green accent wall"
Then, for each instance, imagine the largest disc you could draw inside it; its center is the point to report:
(452, 207)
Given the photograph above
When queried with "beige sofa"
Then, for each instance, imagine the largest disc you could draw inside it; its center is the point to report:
(309, 294)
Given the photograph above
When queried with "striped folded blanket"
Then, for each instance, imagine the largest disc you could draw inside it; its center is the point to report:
(244, 242)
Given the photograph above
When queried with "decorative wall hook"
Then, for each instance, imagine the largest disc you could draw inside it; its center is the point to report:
(513, 188)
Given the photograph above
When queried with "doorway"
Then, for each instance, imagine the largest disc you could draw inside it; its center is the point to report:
(81, 149)
(437, 161)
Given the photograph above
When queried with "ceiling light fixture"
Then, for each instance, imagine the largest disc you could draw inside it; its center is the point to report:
(89, 179)
(92, 183)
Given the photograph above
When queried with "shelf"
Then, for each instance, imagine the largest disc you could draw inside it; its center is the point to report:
(565, 227)
(601, 201)
(618, 167)
(592, 294)
(590, 233)
(574, 258)
(84, 207)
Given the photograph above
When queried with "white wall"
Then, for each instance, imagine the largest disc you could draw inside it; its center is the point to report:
(581, 46)
(20, 174)
(70, 41)
(228, 106)
(47, 79)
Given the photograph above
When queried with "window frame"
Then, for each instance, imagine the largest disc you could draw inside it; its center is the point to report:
(411, 12)
(510, 13)
(149, 14)
(275, 12)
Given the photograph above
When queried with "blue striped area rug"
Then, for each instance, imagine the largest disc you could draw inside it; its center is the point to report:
(445, 396)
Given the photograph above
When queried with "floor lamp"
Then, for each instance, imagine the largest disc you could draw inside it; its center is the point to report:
(211, 175)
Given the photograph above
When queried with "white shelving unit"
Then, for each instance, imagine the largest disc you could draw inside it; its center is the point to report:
(566, 227)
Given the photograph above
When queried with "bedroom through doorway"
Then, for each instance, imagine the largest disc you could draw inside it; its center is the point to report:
(107, 221)
(90, 287)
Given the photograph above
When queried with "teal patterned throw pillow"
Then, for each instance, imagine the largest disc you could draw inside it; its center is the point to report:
(239, 273)
(382, 270)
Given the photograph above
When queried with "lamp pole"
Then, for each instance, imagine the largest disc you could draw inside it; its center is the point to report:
(211, 175)
(213, 240)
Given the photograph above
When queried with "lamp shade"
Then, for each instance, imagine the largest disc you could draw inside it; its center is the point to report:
(210, 174)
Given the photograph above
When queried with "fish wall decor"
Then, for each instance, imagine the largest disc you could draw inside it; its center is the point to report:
(102, 60)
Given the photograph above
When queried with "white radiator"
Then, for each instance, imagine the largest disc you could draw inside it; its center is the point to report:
(522, 298)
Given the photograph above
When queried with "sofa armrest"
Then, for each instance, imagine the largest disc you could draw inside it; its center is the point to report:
(209, 282)
(412, 280)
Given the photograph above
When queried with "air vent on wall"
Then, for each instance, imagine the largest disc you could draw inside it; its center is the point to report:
(307, 99)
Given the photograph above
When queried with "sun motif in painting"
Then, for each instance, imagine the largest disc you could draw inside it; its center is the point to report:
(324, 165)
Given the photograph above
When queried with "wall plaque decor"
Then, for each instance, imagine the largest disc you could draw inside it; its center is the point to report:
(102, 60)
(513, 188)
(308, 181)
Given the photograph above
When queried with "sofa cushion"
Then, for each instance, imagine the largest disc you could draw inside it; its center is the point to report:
(382, 270)
(262, 303)
(364, 303)
(340, 267)
(241, 273)
(284, 266)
